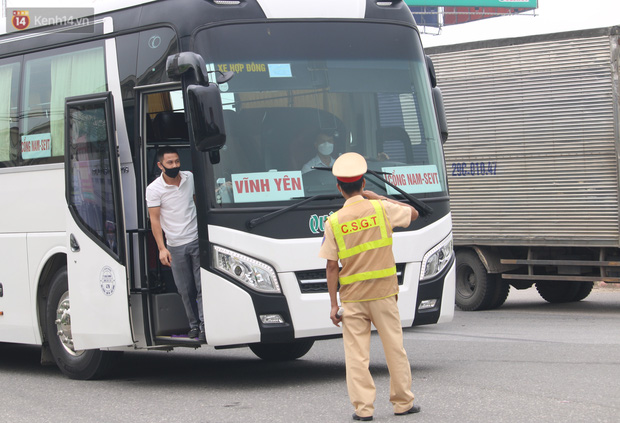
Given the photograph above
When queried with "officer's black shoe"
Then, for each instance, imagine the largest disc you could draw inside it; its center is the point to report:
(363, 419)
(193, 333)
(414, 409)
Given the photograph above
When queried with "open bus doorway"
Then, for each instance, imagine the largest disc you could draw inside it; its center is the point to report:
(164, 125)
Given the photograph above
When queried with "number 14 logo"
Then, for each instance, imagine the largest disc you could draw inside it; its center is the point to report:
(21, 19)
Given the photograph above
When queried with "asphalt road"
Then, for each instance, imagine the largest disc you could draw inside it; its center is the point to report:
(528, 361)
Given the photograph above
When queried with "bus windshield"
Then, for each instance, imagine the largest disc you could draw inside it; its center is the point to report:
(299, 99)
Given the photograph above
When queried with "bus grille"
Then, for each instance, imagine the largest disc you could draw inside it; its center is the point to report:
(315, 281)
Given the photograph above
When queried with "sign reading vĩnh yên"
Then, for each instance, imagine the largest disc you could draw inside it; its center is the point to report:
(528, 4)
(267, 186)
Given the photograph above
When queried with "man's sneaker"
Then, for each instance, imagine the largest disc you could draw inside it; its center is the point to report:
(193, 333)
(202, 337)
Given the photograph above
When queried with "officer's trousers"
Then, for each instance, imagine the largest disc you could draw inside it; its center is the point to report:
(356, 336)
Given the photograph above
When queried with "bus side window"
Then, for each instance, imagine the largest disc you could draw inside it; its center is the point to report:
(48, 80)
(9, 133)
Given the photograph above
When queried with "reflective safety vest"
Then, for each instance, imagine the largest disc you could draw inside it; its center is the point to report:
(364, 242)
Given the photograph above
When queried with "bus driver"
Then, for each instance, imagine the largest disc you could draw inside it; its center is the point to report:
(324, 144)
(170, 200)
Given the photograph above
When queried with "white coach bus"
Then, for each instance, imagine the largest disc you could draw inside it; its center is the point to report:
(85, 106)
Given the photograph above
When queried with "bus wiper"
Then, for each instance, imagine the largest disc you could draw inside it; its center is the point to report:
(423, 208)
(252, 223)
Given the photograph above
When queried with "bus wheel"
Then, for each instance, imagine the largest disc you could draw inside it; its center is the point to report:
(81, 364)
(584, 290)
(558, 291)
(474, 287)
(284, 351)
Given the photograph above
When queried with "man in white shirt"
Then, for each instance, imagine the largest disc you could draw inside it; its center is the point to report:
(170, 200)
(324, 144)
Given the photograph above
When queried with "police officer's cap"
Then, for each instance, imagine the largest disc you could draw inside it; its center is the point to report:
(349, 167)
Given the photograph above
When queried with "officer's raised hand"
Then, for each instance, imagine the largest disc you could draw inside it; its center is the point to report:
(372, 195)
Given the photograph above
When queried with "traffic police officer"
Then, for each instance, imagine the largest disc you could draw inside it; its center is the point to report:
(360, 236)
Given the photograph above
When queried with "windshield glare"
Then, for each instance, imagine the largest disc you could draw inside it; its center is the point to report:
(286, 116)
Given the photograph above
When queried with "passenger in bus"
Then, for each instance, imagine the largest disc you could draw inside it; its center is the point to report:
(360, 236)
(172, 210)
(324, 144)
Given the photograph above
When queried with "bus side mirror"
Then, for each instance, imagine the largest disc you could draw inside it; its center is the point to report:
(441, 114)
(206, 118)
(178, 64)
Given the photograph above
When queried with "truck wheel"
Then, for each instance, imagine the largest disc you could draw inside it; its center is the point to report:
(558, 291)
(583, 291)
(284, 351)
(474, 287)
(84, 364)
(502, 288)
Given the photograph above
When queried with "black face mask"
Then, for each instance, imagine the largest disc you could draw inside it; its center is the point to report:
(172, 172)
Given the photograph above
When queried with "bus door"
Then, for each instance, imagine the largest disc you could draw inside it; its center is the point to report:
(96, 261)
(162, 123)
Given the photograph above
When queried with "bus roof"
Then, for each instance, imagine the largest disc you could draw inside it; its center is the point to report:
(552, 16)
(273, 9)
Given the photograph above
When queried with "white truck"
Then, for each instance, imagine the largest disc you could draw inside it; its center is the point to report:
(532, 163)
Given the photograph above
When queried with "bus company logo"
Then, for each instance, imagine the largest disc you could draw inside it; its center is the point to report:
(154, 41)
(20, 20)
(317, 223)
(107, 280)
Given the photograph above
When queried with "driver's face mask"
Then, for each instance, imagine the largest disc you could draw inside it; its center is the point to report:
(326, 148)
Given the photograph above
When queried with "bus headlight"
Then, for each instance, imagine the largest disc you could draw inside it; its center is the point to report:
(251, 272)
(436, 258)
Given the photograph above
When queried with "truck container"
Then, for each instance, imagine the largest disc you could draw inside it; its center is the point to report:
(532, 163)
